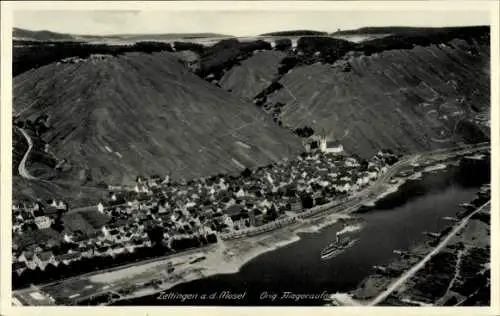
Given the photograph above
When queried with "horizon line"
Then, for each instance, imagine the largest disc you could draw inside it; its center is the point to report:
(230, 35)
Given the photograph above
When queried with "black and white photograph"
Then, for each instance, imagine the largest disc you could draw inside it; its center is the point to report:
(293, 155)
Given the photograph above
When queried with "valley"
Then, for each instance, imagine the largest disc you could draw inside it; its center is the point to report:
(145, 163)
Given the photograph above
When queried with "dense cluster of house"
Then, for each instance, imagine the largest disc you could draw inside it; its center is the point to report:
(186, 214)
(225, 203)
(31, 216)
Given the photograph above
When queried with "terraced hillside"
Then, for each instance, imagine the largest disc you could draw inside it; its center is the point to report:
(407, 99)
(114, 118)
(254, 74)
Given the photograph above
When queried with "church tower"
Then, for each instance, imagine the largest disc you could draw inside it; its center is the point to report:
(322, 141)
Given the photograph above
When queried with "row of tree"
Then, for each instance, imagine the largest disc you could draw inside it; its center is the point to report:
(407, 39)
(222, 56)
(26, 57)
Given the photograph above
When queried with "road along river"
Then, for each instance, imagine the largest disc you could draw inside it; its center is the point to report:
(295, 274)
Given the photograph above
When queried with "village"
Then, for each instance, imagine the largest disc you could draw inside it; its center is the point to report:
(158, 216)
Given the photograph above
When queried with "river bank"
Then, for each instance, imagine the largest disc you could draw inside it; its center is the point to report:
(410, 295)
(227, 257)
(142, 285)
(467, 236)
(230, 255)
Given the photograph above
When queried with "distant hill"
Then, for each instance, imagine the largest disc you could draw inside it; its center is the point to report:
(403, 30)
(168, 36)
(114, 118)
(18, 33)
(295, 33)
(214, 59)
(407, 38)
(23, 34)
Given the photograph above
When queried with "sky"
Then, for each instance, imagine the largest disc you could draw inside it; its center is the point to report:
(237, 23)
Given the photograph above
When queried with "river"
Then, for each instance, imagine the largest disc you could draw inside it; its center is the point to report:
(395, 222)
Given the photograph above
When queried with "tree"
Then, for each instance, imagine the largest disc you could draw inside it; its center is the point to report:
(290, 192)
(272, 213)
(283, 44)
(212, 238)
(58, 222)
(307, 201)
(363, 164)
(155, 234)
(246, 173)
(58, 225)
(286, 64)
(304, 132)
(51, 272)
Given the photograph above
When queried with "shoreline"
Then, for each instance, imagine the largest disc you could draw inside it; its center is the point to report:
(229, 257)
(374, 285)
(216, 265)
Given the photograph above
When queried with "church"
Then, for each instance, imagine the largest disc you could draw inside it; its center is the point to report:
(326, 144)
(330, 146)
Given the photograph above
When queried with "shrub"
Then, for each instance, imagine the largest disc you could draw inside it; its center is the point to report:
(304, 132)
(283, 44)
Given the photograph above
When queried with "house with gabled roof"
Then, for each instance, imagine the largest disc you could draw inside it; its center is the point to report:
(234, 211)
(86, 251)
(69, 257)
(26, 256)
(42, 259)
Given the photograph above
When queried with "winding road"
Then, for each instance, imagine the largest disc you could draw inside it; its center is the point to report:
(23, 172)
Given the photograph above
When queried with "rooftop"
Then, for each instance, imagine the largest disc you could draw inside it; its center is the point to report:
(333, 143)
(234, 210)
(44, 256)
(69, 256)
